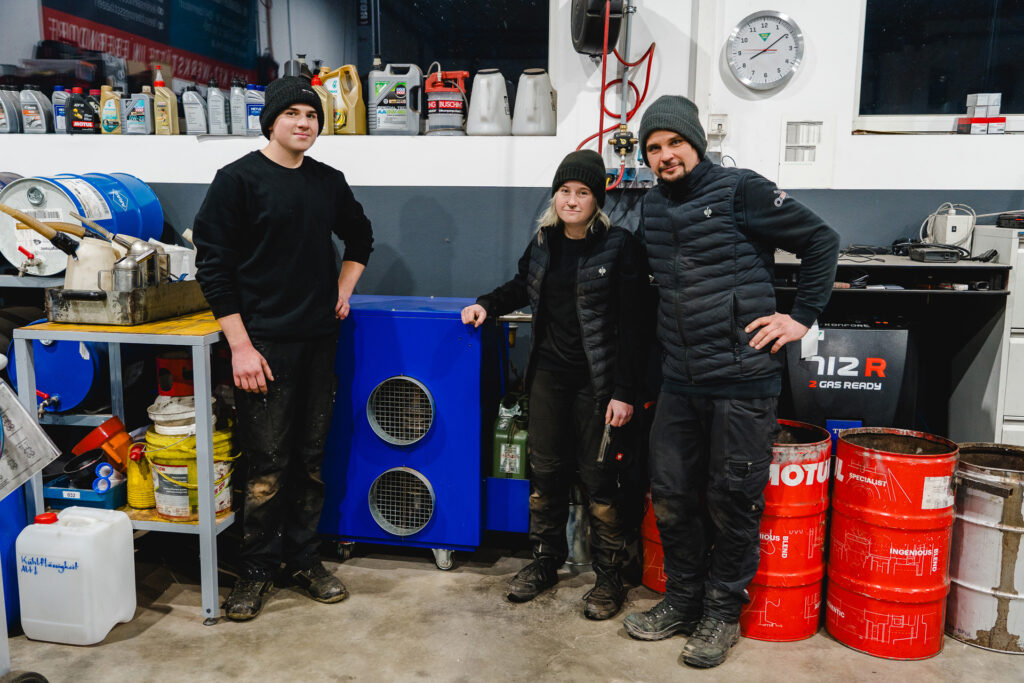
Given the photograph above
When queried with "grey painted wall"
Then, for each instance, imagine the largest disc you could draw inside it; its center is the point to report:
(463, 241)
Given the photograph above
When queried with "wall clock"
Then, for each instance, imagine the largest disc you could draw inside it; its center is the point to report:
(764, 50)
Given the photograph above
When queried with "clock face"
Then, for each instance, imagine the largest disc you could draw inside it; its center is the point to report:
(764, 50)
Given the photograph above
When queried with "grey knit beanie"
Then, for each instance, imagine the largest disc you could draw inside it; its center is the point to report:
(283, 93)
(677, 114)
(587, 167)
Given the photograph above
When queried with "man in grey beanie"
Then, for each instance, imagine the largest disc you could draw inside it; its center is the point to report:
(710, 235)
(266, 263)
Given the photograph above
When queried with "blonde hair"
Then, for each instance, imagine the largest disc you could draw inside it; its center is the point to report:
(549, 219)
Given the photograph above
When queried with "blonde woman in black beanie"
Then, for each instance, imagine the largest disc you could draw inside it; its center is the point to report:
(579, 276)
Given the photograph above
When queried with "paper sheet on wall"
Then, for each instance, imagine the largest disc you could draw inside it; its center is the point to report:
(26, 447)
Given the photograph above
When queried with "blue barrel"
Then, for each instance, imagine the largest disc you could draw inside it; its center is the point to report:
(6, 178)
(69, 369)
(12, 521)
(133, 207)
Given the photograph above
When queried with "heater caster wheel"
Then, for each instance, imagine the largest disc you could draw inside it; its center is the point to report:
(345, 551)
(443, 558)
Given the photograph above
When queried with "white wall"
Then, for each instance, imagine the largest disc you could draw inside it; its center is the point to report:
(20, 29)
(826, 88)
(321, 29)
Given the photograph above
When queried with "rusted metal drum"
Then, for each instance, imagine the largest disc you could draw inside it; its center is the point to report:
(986, 598)
(653, 575)
(785, 594)
(892, 521)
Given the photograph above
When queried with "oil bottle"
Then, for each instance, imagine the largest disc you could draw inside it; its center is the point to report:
(349, 108)
(110, 111)
(82, 117)
(393, 100)
(218, 110)
(10, 110)
(237, 101)
(36, 111)
(139, 113)
(253, 109)
(59, 99)
(326, 102)
(195, 111)
(165, 107)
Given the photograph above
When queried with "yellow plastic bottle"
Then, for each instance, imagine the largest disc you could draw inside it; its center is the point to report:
(165, 107)
(327, 102)
(349, 108)
(110, 111)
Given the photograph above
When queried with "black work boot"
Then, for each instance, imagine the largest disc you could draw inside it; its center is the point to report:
(710, 643)
(532, 580)
(661, 621)
(320, 583)
(246, 599)
(605, 599)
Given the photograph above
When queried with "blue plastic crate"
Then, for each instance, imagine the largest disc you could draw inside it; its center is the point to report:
(59, 495)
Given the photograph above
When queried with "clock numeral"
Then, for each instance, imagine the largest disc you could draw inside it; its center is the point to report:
(779, 69)
(743, 65)
(743, 40)
(751, 29)
(764, 24)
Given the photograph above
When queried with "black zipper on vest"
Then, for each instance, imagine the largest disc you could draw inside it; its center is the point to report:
(579, 320)
(735, 328)
(679, 311)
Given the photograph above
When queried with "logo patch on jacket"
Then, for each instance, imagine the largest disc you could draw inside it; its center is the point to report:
(779, 198)
(601, 270)
(707, 212)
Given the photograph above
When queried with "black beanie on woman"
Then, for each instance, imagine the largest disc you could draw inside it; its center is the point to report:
(586, 167)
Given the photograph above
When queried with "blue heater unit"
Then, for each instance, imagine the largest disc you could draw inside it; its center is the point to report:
(405, 451)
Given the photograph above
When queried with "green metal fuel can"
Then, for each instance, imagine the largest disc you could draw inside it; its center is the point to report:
(509, 457)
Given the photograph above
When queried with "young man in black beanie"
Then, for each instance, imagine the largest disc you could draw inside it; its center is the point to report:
(579, 276)
(266, 264)
(710, 235)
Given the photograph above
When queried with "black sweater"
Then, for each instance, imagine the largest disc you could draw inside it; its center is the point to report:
(264, 247)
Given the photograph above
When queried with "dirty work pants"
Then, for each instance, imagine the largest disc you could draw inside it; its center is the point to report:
(566, 424)
(282, 434)
(709, 464)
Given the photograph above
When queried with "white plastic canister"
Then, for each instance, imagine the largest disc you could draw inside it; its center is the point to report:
(76, 575)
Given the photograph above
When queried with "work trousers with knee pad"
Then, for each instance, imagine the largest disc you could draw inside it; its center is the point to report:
(282, 434)
(566, 425)
(709, 465)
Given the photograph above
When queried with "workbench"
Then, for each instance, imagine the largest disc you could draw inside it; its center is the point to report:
(197, 331)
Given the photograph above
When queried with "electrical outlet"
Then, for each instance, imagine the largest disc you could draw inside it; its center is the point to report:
(718, 125)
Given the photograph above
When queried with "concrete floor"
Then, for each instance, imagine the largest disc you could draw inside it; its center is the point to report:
(407, 620)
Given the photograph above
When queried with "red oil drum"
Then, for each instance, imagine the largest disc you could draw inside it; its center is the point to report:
(785, 594)
(653, 575)
(892, 521)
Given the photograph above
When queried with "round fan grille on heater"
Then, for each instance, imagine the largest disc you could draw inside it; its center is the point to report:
(400, 410)
(401, 501)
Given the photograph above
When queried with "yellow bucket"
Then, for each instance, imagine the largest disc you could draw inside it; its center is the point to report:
(175, 482)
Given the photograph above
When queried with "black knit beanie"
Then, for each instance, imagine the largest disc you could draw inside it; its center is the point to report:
(677, 114)
(283, 93)
(586, 167)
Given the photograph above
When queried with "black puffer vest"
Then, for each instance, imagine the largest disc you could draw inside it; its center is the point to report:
(712, 280)
(596, 300)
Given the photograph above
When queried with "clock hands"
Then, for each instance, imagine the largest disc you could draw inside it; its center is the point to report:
(769, 47)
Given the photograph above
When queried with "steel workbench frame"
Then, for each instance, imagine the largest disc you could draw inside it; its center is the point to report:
(208, 527)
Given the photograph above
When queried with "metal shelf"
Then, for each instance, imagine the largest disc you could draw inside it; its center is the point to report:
(177, 527)
(30, 281)
(77, 420)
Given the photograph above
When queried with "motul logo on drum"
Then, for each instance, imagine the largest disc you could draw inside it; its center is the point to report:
(795, 475)
(835, 610)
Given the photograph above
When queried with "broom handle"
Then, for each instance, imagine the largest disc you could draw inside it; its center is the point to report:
(70, 228)
(94, 225)
(40, 227)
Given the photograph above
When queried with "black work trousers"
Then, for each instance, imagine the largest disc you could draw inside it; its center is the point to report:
(709, 464)
(282, 435)
(566, 425)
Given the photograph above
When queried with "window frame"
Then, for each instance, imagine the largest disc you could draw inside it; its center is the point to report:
(909, 123)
